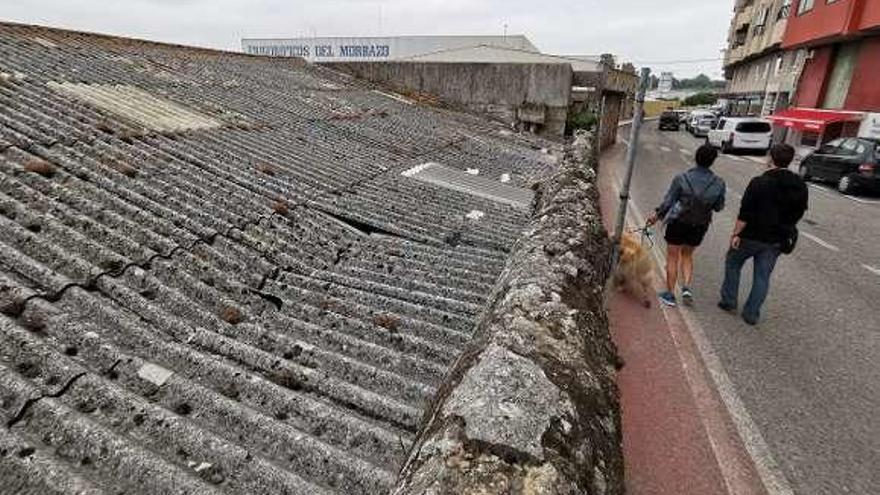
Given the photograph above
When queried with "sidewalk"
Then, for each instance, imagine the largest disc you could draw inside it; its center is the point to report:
(678, 436)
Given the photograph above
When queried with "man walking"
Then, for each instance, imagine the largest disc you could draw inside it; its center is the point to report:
(772, 205)
(687, 211)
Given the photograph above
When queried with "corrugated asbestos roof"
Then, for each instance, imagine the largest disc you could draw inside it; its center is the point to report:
(214, 277)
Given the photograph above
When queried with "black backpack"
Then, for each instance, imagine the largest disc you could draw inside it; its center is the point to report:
(788, 239)
(788, 233)
(695, 210)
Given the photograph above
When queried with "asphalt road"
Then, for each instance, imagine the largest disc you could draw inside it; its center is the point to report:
(809, 375)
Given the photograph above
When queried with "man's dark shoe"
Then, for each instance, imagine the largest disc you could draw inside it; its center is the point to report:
(726, 307)
(750, 321)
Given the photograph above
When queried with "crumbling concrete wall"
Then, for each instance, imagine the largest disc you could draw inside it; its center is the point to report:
(516, 93)
(532, 406)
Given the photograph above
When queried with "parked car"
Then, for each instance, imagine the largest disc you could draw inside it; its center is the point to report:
(741, 133)
(851, 163)
(669, 120)
(695, 117)
(703, 125)
(683, 116)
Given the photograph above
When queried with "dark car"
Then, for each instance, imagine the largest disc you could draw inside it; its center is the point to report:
(851, 163)
(669, 120)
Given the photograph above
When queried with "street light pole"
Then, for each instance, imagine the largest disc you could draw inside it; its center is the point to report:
(630, 160)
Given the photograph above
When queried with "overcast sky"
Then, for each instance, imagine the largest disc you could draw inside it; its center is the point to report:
(644, 31)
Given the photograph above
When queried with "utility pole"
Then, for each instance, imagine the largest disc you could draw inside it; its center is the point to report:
(630, 161)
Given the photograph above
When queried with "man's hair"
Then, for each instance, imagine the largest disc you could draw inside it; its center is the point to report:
(782, 155)
(706, 156)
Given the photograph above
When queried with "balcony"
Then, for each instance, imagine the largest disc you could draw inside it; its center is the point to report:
(734, 55)
(745, 15)
(778, 32)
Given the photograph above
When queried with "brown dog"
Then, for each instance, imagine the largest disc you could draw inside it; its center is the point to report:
(633, 273)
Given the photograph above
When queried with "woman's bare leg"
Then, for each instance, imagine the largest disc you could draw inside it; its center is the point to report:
(673, 260)
(687, 265)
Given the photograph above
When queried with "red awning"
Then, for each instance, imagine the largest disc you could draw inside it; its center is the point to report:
(812, 119)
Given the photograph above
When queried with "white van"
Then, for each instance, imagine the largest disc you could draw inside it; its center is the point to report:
(741, 133)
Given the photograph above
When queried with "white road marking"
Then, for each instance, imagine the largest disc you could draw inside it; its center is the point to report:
(831, 194)
(860, 200)
(820, 242)
(756, 159)
(685, 151)
(736, 158)
(875, 271)
(666, 149)
(771, 474)
(823, 191)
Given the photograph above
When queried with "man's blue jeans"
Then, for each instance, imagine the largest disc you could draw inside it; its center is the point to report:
(765, 256)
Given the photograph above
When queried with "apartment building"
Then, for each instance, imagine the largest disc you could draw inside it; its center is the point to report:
(837, 92)
(761, 75)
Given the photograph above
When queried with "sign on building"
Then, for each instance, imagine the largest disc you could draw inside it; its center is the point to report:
(353, 49)
(870, 126)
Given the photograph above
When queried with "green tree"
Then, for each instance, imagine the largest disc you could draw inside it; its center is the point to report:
(583, 120)
(702, 81)
(700, 99)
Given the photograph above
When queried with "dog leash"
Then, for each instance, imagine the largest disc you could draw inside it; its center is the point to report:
(646, 233)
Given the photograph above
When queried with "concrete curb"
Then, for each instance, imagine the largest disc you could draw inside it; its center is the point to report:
(532, 405)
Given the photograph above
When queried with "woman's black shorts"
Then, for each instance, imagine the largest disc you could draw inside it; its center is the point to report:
(681, 234)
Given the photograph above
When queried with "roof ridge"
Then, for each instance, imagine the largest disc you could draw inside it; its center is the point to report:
(116, 37)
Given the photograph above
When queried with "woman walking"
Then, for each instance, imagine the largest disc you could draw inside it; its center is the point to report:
(687, 212)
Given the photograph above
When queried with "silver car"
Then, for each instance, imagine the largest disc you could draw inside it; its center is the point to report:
(704, 125)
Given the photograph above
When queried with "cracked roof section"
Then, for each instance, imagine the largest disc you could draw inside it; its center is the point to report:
(262, 305)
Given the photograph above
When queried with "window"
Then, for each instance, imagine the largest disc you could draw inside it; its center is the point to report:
(832, 147)
(861, 148)
(850, 147)
(805, 6)
(853, 147)
(779, 62)
(784, 10)
(753, 127)
(761, 21)
(739, 37)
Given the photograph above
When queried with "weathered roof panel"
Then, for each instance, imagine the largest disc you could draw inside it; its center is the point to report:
(213, 276)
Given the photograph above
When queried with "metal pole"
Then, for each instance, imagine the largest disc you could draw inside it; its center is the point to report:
(630, 161)
(599, 127)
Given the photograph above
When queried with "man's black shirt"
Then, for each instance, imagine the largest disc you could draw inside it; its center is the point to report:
(773, 201)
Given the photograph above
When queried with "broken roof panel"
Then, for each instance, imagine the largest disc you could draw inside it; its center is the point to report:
(213, 276)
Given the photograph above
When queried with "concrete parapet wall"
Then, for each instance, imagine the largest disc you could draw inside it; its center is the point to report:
(532, 406)
(498, 89)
